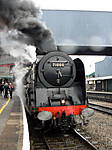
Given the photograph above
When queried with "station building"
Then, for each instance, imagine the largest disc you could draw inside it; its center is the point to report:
(7, 62)
(103, 76)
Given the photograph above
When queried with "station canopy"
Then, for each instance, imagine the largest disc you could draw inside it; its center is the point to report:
(99, 78)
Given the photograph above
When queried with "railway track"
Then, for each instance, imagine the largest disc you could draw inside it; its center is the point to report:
(59, 140)
(100, 96)
(103, 109)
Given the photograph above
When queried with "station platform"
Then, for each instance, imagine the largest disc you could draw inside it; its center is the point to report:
(11, 124)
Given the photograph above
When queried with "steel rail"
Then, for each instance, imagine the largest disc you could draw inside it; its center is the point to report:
(84, 139)
(46, 143)
(100, 96)
(104, 109)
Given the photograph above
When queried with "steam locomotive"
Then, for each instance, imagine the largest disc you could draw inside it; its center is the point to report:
(55, 90)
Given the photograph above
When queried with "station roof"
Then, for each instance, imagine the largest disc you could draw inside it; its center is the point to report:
(99, 78)
(81, 32)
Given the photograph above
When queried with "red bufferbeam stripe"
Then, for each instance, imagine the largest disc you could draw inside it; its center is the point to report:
(76, 109)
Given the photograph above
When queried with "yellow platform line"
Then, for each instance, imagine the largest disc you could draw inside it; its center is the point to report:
(3, 107)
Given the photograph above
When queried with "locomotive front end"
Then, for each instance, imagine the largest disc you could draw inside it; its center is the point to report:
(59, 90)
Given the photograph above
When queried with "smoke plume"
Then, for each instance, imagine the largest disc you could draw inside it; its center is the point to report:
(23, 16)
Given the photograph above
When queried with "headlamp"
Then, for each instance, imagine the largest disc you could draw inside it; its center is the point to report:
(63, 101)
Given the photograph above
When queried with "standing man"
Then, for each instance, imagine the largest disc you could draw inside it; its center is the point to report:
(6, 88)
(2, 89)
(11, 88)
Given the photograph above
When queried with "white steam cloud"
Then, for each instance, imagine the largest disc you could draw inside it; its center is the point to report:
(16, 48)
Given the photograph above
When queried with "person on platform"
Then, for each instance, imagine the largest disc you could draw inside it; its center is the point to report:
(6, 88)
(11, 88)
(2, 89)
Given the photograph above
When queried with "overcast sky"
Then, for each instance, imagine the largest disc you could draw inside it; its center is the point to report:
(94, 5)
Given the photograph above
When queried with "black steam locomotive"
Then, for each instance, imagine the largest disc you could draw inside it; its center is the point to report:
(55, 89)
